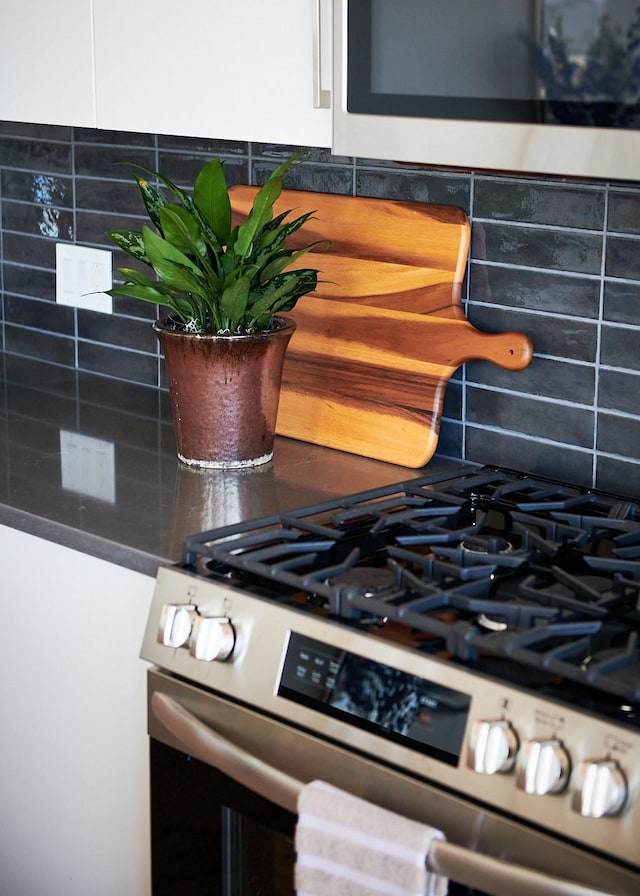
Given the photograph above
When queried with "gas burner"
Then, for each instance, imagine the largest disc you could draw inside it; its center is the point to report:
(485, 544)
(365, 581)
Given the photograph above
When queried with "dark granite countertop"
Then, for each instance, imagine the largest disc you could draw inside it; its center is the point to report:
(118, 492)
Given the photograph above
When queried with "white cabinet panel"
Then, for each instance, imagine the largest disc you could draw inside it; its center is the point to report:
(46, 62)
(74, 800)
(238, 70)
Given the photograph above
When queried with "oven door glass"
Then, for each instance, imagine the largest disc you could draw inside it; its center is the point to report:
(211, 836)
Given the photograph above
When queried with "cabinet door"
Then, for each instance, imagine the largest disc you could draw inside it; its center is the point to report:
(240, 70)
(74, 767)
(46, 62)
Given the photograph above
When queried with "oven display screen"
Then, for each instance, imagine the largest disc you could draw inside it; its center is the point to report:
(397, 705)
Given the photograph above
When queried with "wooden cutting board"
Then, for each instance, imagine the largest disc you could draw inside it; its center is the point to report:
(377, 343)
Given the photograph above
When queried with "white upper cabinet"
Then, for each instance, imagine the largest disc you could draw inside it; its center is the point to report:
(46, 62)
(226, 69)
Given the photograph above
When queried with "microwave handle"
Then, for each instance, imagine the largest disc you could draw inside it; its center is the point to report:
(454, 862)
(321, 98)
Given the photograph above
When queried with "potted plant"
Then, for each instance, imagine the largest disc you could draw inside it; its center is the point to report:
(225, 287)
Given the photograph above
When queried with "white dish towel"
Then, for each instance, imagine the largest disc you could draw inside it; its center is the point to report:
(346, 846)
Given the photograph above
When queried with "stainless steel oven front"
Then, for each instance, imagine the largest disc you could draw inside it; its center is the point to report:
(261, 722)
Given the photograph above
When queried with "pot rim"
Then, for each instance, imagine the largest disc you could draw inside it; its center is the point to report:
(283, 323)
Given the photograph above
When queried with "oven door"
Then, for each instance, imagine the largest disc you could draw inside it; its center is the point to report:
(256, 767)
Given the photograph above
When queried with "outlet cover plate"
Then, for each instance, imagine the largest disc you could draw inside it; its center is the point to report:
(82, 277)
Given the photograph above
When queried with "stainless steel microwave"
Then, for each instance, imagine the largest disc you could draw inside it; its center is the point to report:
(539, 86)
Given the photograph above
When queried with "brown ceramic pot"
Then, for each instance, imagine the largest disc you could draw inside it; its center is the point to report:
(224, 393)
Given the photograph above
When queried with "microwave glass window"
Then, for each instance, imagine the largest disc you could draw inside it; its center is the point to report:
(574, 62)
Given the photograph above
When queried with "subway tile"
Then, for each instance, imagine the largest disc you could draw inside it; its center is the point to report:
(619, 435)
(559, 205)
(47, 317)
(29, 250)
(619, 391)
(624, 212)
(619, 347)
(27, 281)
(618, 476)
(544, 377)
(517, 452)
(623, 257)
(118, 363)
(118, 331)
(36, 131)
(206, 145)
(43, 156)
(535, 290)
(538, 247)
(562, 337)
(309, 176)
(450, 438)
(565, 423)
(278, 152)
(43, 346)
(621, 302)
(38, 220)
(43, 189)
(110, 161)
(183, 168)
(414, 186)
(117, 138)
(114, 197)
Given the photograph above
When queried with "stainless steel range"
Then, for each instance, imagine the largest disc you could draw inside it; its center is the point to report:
(460, 648)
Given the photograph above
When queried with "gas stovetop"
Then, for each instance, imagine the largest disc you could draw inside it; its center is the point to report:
(524, 579)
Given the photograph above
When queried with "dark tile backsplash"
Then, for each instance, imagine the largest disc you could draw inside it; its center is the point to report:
(555, 258)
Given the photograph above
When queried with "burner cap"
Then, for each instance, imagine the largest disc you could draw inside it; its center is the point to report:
(485, 544)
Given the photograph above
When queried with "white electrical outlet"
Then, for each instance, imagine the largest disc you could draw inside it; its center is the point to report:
(88, 466)
(82, 277)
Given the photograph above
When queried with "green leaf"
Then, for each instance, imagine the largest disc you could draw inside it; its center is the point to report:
(172, 265)
(260, 214)
(211, 198)
(233, 301)
(132, 243)
(153, 200)
(182, 230)
(282, 261)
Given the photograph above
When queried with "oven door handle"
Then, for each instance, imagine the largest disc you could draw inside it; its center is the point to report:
(455, 862)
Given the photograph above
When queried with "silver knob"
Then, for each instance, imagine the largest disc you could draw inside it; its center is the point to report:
(212, 638)
(543, 767)
(493, 746)
(599, 788)
(176, 621)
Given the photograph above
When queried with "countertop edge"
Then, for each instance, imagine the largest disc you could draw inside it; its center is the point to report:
(85, 542)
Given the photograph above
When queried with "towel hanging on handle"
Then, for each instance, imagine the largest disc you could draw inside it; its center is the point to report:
(346, 846)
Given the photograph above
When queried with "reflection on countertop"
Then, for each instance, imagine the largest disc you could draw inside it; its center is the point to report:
(90, 462)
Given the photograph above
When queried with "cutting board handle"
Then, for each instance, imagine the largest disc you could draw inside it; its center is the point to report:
(513, 351)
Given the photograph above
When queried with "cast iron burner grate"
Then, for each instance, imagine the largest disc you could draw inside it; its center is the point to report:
(478, 563)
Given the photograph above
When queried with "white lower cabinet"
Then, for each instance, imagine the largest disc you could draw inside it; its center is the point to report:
(74, 797)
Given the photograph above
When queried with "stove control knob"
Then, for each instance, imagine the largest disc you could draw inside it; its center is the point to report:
(599, 788)
(492, 746)
(212, 638)
(176, 622)
(543, 767)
